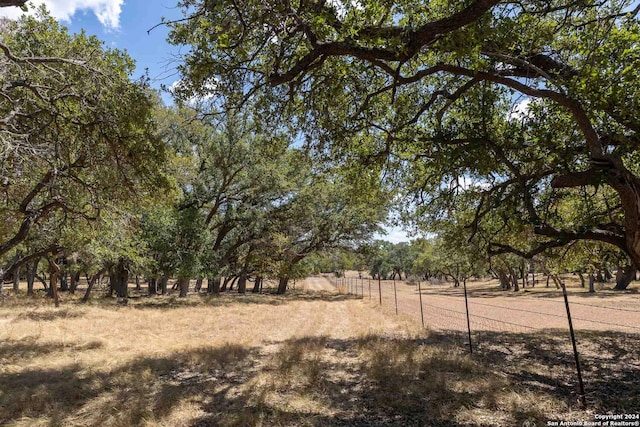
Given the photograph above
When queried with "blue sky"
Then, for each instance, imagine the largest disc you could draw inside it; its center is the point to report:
(123, 24)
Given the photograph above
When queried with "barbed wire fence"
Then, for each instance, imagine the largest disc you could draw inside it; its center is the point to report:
(470, 318)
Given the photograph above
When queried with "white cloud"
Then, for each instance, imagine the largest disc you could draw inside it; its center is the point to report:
(466, 182)
(392, 234)
(107, 11)
(521, 110)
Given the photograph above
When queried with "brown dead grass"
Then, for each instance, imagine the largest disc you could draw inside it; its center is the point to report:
(305, 359)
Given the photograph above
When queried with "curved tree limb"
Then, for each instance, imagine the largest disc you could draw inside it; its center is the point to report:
(9, 3)
(598, 235)
(415, 41)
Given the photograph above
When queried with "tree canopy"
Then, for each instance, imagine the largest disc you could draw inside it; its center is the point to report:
(517, 107)
(250, 203)
(76, 134)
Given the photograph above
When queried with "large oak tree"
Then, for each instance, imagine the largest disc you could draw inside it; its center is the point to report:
(76, 134)
(429, 85)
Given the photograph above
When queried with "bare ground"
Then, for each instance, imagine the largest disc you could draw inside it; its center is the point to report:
(311, 358)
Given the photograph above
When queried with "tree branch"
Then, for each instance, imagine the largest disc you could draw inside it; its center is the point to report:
(26, 225)
(598, 235)
(416, 40)
(499, 249)
(576, 179)
(17, 263)
(574, 107)
(8, 3)
(38, 59)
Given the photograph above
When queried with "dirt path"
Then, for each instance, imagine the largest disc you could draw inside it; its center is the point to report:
(317, 283)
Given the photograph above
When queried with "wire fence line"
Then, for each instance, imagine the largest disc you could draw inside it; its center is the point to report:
(607, 307)
(522, 312)
(507, 319)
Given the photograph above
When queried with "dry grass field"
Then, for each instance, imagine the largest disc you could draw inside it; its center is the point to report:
(309, 358)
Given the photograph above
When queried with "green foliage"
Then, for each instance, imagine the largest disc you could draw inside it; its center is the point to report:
(422, 96)
(248, 203)
(77, 139)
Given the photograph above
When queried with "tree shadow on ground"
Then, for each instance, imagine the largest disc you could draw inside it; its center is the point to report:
(544, 362)
(511, 379)
(20, 351)
(226, 298)
(132, 393)
(45, 316)
(141, 299)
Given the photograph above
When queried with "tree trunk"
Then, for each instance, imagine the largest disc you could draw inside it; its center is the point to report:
(138, 287)
(164, 281)
(233, 282)
(225, 283)
(256, 285)
(31, 275)
(199, 281)
(505, 283)
(152, 284)
(75, 278)
(282, 285)
(183, 284)
(592, 287)
(55, 272)
(624, 276)
(242, 283)
(92, 282)
(64, 282)
(119, 276)
(213, 285)
(16, 280)
(533, 276)
(582, 281)
(43, 280)
(514, 279)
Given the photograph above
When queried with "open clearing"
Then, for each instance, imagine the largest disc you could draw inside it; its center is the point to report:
(311, 358)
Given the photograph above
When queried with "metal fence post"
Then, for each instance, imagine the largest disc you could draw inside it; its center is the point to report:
(575, 347)
(421, 310)
(395, 294)
(466, 306)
